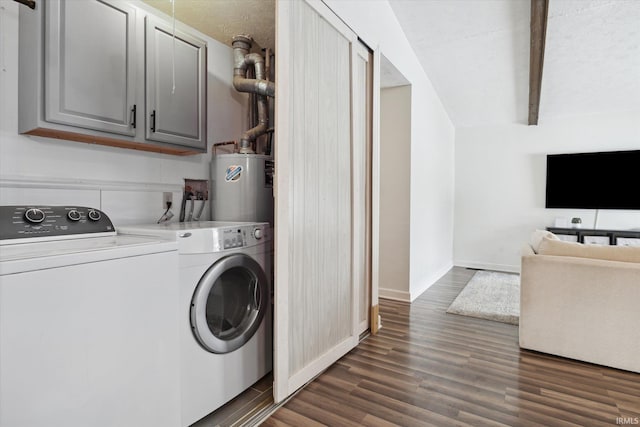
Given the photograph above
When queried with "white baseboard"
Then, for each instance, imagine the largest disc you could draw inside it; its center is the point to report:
(488, 266)
(394, 295)
(405, 296)
(433, 278)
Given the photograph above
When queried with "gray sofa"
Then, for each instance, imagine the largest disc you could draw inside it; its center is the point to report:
(582, 302)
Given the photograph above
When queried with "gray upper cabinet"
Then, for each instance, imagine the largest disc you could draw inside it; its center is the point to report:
(175, 71)
(102, 72)
(90, 65)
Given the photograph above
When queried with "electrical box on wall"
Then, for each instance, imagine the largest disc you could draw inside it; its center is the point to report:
(198, 187)
(194, 199)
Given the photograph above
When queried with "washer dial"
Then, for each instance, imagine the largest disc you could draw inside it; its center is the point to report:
(34, 215)
(73, 215)
(94, 215)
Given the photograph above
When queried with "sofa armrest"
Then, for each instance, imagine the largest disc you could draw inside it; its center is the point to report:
(527, 250)
(585, 309)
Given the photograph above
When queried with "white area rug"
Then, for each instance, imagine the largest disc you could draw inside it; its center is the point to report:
(490, 295)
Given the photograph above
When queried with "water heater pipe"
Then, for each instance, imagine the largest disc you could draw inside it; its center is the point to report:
(259, 86)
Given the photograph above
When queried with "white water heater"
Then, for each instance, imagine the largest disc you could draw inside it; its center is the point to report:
(242, 188)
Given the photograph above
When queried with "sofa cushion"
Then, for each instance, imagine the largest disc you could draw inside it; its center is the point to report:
(550, 246)
(537, 236)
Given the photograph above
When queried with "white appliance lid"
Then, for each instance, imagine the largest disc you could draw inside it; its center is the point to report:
(51, 254)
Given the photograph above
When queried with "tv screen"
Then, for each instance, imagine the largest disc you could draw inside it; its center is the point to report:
(605, 180)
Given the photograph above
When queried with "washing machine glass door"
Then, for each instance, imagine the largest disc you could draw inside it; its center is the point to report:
(229, 303)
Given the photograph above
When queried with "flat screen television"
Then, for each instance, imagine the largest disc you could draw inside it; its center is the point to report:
(604, 180)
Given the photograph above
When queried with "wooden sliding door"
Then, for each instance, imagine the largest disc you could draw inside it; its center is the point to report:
(361, 179)
(319, 189)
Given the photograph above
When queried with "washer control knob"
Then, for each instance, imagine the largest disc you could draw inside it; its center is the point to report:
(73, 215)
(34, 215)
(94, 215)
(257, 233)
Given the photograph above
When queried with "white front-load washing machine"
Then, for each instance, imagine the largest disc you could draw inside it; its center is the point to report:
(225, 309)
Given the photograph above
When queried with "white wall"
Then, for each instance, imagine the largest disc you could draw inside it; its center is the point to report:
(432, 142)
(126, 184)
(500, 183)
(395, 192)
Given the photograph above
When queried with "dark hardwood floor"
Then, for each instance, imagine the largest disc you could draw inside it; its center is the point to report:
(430, 368)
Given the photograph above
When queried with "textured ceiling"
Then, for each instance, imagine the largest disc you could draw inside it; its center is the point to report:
(476, 53)
(223, 19)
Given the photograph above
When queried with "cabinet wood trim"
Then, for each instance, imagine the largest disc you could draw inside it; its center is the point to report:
(111, 142)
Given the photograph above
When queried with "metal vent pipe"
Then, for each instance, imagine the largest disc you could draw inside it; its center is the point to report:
(260, 86)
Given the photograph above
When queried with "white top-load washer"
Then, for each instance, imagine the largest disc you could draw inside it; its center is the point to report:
(225, 309)
(88, 322)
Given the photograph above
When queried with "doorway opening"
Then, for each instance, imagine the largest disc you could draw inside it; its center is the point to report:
(395, 182)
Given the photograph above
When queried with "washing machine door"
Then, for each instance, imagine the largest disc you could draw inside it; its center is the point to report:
(229, 303)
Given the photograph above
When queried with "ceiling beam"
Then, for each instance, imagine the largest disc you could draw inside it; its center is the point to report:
(539, 13)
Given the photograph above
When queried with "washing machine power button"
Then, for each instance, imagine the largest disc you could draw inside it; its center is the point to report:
(257, 233)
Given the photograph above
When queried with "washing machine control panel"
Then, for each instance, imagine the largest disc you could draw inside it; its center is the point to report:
(233, 238)
(243, 236)
(56, 222)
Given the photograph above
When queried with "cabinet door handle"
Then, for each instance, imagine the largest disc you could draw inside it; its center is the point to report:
(153, 121)
(133, 117)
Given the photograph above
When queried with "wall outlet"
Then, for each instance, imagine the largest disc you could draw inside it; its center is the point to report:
(167, 197)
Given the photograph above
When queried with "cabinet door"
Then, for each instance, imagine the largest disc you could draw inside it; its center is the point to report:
(90, 64)
(176, 69)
